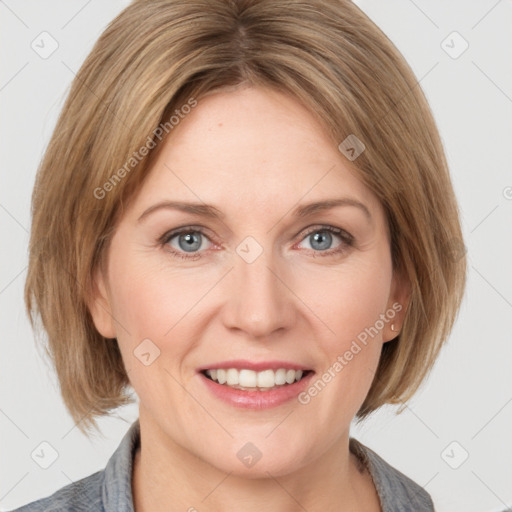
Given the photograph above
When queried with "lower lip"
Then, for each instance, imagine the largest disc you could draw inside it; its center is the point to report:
(256, 399)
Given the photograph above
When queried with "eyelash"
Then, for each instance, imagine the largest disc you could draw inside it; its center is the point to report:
(347, 238)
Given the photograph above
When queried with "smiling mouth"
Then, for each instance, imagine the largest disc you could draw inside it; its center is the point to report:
(250, 380)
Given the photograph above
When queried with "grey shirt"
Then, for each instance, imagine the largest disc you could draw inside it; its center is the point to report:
(110, 490)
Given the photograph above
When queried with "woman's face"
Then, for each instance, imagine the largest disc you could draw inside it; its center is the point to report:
(254, 279)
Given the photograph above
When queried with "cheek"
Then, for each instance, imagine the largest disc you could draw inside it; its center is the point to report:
(352, 307)
(351, 299)
(150, 300)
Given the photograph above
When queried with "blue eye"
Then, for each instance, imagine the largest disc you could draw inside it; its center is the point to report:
(187, 242)
(190, 242)
(321, 239)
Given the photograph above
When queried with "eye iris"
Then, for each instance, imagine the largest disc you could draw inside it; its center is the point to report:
(323, 237)
(192, 240)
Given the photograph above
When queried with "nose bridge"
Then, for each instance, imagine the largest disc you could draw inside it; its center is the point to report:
(258, 302)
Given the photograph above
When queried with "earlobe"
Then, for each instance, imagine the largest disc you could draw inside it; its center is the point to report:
(100, 308)
(397, 307)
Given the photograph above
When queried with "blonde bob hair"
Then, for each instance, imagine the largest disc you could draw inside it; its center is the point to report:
(158, 56)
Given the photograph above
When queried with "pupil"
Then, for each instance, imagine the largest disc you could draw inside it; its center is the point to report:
(192, 242)
(325, 238)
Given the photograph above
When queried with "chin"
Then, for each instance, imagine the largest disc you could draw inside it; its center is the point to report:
(245, 460)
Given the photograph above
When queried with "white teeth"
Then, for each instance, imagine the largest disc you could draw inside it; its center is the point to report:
(243, 379)
(266, 379)
(280, 377)
(232, 377)
(247, 378)
(221, 376)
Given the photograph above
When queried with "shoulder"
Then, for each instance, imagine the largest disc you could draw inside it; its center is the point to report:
(397, 492)
(108, 489)
(82, 495)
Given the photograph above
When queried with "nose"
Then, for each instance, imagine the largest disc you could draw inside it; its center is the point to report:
(259, 301)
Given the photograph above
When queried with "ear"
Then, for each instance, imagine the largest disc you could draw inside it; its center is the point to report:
(99, 304)
(397, 306)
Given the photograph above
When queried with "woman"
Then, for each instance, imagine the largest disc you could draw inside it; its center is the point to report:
(245, 214)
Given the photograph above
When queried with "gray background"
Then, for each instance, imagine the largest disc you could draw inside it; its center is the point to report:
(464, 409)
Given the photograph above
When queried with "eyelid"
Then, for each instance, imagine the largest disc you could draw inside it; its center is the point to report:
(327, 227)
(184, 229)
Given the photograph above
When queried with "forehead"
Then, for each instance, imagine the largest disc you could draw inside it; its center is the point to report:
(251, 148)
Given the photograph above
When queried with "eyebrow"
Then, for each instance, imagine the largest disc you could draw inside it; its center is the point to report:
(209, 211)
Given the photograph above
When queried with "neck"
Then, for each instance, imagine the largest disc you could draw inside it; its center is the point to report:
(168, 477)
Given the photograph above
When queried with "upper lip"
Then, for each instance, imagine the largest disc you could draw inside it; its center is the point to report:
(241, 364)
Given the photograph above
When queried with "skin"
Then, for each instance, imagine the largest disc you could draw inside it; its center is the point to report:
(255, 154)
